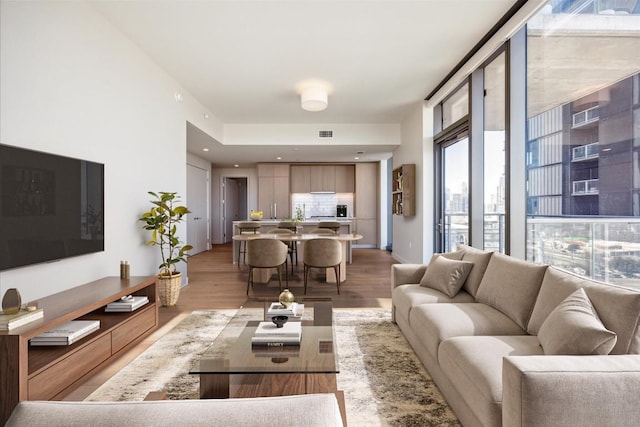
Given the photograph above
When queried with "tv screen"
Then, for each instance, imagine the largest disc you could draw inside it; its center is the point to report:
(51, 207)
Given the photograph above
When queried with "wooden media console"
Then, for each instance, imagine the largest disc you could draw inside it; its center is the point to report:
(51, 372)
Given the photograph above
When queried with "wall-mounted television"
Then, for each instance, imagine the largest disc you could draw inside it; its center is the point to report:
(51, 207)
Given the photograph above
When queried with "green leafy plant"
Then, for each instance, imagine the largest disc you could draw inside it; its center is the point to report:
(162, 220)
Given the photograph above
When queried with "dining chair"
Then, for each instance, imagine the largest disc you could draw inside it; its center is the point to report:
(323, 232)
(332, 225)
(266, 253)
(246, 227)
(293, 246)
(322, 253)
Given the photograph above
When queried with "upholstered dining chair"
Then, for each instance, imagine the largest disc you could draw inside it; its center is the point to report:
(323, 232)
(322, 253)
(293, 246)
(246, 227)
(331, 225)
(266, 253)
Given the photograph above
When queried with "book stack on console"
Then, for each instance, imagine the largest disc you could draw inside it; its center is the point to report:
(21, 318)
(268, 334)
(67, 334)
(126, 304)
(293, 312)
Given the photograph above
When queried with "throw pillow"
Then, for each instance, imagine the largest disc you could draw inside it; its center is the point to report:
(446, 275)
(574, 327)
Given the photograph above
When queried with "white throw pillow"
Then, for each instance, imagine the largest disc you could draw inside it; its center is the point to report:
(446, 275)
(574, 327)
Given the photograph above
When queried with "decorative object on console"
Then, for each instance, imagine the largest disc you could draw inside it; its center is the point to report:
(11, 301)
(286, 298)
(161, 220)
(22, 317)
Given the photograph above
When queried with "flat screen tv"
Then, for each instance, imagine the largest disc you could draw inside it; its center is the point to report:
(51, 207)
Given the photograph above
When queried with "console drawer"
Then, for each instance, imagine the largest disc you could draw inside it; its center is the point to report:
(132, 329)
(56, 378)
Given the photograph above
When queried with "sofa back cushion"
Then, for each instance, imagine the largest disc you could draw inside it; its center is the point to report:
(574, 327)
(480, 260)
(511, 285)
(446, 275)
(617, 307)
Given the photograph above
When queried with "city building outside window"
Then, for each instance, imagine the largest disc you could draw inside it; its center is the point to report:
(583, 138)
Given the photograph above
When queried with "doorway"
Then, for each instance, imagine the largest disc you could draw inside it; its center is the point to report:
(453, 213)
(197, 201)
(234, 202)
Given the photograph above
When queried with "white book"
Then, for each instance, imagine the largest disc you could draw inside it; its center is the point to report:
(130, 304)
(10, 321)
(44, 341)
(270, 330)
(276, 309)
(72, 329)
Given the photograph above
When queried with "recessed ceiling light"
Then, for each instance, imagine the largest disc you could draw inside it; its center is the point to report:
(178, 97)
(236, 166)
(356, 158)
(278, 158)
(206, 116)
(205, 149)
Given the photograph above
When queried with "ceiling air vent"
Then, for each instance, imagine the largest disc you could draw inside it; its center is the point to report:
(325, 134)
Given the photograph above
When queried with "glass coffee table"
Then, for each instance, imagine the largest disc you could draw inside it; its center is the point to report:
(232, 367)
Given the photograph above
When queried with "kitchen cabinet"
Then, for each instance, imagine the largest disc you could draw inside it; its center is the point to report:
(273, 190)
(345, 179)
(300, 178)
(403, 190)
(366, 203)
(323, 178)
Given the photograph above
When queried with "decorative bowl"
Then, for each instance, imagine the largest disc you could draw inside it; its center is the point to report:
(279, 321)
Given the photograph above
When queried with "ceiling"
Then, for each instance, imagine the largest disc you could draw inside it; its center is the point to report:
(243, 60)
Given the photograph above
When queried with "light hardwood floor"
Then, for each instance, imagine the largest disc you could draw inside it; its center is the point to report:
(216, 283)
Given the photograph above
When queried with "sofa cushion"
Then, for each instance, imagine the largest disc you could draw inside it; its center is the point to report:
(617, 307)
(511, 285)
(446, 275)
(320, 410)
(573, 327)
(480, 260)
(434, 323)
(474, 367)
(405, 297)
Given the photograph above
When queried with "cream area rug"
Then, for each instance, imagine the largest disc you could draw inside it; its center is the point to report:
(384, 383)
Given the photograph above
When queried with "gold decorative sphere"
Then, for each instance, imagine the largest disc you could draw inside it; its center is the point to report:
(286, 298)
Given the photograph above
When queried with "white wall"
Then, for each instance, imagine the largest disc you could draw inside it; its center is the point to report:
(73, 85)
(408, 239)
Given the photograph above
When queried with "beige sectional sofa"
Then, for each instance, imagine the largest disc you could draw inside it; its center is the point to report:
(318, 410)
(514, 343)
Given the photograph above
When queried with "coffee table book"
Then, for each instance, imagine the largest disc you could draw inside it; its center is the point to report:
(267, 334)
(127, 304)
(10, 321)
(66, 334)
(294, 313)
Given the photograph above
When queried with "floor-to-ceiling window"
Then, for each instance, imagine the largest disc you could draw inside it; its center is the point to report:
(583, 145)
(452, 181)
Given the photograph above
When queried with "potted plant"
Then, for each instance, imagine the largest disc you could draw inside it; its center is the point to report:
(162, 220)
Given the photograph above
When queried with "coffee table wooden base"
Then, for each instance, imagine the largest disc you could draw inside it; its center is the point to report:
(223, 386)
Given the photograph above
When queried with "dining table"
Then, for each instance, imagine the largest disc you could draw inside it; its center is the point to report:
(262, 275)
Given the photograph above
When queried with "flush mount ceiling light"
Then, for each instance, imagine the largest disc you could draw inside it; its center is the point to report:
(314, 98)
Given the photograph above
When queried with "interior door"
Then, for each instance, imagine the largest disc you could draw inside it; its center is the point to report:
(197, 202)
(453, 221)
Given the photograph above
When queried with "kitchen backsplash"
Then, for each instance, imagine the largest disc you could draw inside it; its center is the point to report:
(323, 204)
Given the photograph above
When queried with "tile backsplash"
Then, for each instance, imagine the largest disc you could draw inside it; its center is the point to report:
(323, 204)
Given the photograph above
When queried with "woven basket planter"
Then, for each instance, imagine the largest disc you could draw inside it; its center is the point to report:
(169, 289)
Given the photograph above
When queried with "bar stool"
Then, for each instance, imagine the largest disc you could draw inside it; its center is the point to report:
(332, 225)
(246, 227)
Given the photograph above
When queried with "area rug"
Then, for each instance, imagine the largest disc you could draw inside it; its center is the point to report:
(384, 383)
